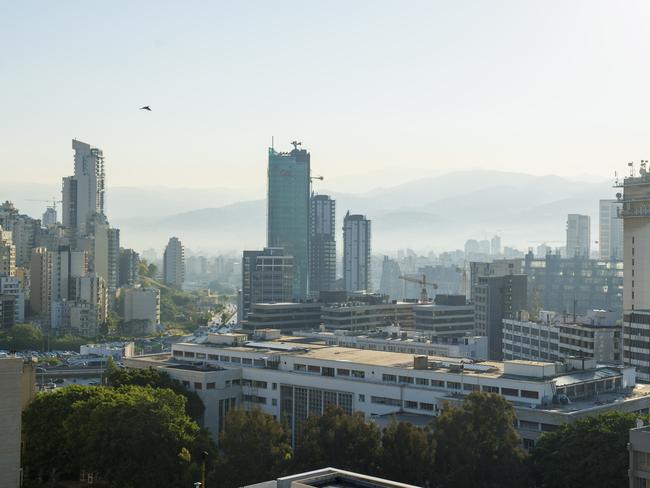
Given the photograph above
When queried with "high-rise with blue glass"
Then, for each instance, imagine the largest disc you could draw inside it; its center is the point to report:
(288, 211)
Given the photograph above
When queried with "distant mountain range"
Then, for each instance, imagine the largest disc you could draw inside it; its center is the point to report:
(434, 213)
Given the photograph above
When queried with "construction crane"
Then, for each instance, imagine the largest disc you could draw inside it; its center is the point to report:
(424, 295)
(54, 201)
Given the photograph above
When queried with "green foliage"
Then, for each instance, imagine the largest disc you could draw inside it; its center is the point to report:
(336, 439)
(131, 436)
(156, 379)
(22, 337)
(254, 448)
(408, 453)
(477, 444)
(590, 452)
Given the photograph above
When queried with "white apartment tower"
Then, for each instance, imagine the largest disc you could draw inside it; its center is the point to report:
(636, 265)
(610, 230)
(356, 252)
(83, 193)
(174, 263)
(578, 235)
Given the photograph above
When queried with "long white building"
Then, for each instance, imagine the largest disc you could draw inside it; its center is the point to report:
(292, 381)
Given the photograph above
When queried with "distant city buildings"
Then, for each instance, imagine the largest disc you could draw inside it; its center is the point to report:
(356, 252)
(610, 230)
(322, 244)
(174, 263)
(390, 283)
(289, 210)
(578, 236)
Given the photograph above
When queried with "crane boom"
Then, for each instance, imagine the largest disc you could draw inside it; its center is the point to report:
(424, 295)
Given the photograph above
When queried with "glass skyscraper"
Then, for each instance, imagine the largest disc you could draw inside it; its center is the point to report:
(288, 211)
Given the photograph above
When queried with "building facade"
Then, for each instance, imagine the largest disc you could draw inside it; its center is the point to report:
(142, 309)
(356, 252)
(610, 230)
(129, 268)
(284, 316)
(174, 263)
(448, 316)
(578, 236)
(267, 276)
(358, 316)
(322, 244)
(288, 211)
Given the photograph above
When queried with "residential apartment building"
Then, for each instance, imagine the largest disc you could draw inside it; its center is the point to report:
(322, 244)
(356, 253)
(447, 316)
(83, 193)
(39, 273)
(174, 263)
(610, 230)
(7, 254)
(7, 311)
(555, 337)
(636, 289)
(498, 267)
(288, 211)
(267, 276)
(129, 268)
(578, 236)
(574, 284)
(497, 298)
(12, 285)
(142, 309)
(293, 381)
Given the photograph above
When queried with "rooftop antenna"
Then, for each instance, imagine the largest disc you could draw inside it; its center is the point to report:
(295, 144)
(272, 144)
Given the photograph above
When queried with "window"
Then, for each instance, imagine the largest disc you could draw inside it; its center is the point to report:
(528, 444)
(470, 387)
(406, 379)
(178, 353)
(274, 402)
(549, 427)
(422, 381)
(525, 424)
(410, 404)
(236, 382)
(490, 389)
(358, 374)
(260, 384)
(275, 386)
(453, 385)
(313, 369)
(343, 372)
(228, 383)
(186, 383)
(362, 397)
(299, 367)
(225, 359)
(426, 406)
(200, 355)
(188, 354)
(529, 394)
(213, 357)
(248, 361)
(325, 371)
(386, 401)
(509, 392)
(235, 360)
(209, 386)
(391, 378)
(438, 383)
(198, 386)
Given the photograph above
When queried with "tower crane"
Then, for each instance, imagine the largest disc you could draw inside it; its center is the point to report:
(54, 201)
(424, 295)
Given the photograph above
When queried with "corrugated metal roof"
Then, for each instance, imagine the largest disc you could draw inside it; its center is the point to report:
(585, 376)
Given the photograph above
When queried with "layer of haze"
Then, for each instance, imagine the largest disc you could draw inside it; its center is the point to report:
(391, 90)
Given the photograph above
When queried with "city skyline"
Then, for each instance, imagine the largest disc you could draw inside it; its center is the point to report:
(414, 80)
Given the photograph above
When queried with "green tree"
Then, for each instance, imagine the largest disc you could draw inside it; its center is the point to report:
(24, 337)
(254, 447)
(133, 436)
(590, 452)
(46, 456)
(477, 444)
(340, 440)
(156, 379)
(408, 453)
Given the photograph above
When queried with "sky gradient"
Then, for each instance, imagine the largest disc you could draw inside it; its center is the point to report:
(555, 87)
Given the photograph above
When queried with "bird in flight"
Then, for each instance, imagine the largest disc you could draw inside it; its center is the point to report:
(146, 107)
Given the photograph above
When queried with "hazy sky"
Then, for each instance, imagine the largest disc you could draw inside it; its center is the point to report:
(540, 87)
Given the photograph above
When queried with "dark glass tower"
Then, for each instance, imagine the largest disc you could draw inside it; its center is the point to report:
(288, 211)
(322, 244)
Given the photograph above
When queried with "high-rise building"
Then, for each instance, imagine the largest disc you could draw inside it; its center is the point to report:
(495, 246)
(129, 273)
(498, 267)
(7, 254)
(174, 263)
(39, 272)
(356, 252)
(578, 235)
(610, 230)
(497, 298)
(49, 217)
(65, 266)
(7, 311)
(83, 193)
(322, 244)
(106, 252)
(288, 211)
(11, 285)
(89, 308)
(267, 276)
(636, 274)
(390, 283)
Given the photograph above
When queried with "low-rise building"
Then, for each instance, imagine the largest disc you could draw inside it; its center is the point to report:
(448, 316)
(639, 449)
(142, 306)
(284, 316)
(361, 316)
(7, 311)
(294, 380)
(555, 337)
(11, 285)
(330, 477)
(117, 350)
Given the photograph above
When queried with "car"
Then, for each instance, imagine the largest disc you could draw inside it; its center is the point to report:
(59, 381)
